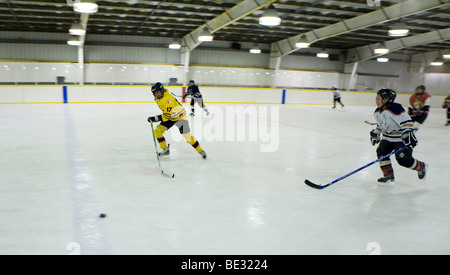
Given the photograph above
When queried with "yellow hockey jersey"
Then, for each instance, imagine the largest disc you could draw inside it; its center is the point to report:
(172, 109)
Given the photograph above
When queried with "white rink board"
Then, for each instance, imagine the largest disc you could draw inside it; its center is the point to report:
(30, 94)
(109, 94)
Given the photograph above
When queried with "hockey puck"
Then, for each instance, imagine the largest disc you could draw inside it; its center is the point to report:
(102, 215)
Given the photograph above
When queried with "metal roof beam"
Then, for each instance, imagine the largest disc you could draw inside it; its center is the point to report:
(419, 61)
(11, 10)
(231, 15)
(366, 52)
(406, 8)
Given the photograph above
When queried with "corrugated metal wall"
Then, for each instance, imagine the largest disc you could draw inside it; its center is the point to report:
(229, 58)
(311, 63)
(127, 39)
(37, 52)
(33, 36)
(131, 54)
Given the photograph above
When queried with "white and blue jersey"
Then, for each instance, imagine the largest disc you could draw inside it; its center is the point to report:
(392, 122)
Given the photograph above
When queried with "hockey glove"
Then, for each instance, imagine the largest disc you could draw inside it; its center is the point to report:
(153, 119)
(409, 139)
(374, 137)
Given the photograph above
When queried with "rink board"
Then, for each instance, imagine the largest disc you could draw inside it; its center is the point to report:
(141, 94)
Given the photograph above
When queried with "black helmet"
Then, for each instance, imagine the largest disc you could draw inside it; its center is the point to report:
(387, 94)
(192, 81)
(421, 87)
(157, 87)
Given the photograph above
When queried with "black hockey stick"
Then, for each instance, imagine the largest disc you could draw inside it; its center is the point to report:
(170, 175)
(180, 95)
(316, 186)
(370, 123)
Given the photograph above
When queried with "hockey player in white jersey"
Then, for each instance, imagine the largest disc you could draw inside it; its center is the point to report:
(336, 97)
(397, 130)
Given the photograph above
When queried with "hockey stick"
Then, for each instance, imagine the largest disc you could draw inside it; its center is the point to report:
(170, 175)
(316, 186)
(180, 95)
(370, 123)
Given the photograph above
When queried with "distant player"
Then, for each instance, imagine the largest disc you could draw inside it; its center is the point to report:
(173, 114)
(447, 105)
(194, 91)
(397, 129)
(336, 97)
(420, 105)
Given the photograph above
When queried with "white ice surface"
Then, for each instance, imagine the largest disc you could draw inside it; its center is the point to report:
(63, 165)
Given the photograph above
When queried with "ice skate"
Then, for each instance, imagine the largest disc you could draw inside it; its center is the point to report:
(165, 152)
(192, 114)
(422, 172)
(386, 181)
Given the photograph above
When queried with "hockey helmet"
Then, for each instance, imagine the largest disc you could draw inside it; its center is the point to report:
(387, 94)
(422, 87)
(158, 87)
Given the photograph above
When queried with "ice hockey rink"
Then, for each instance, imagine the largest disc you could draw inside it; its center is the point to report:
(64, 164)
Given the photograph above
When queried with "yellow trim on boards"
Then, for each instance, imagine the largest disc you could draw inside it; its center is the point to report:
(105, 102)
(11, 103)
(87, 62)
(132, 63)
(18, 86)
(133, 102)
(37, 61)
(208, 87)
(228, 66)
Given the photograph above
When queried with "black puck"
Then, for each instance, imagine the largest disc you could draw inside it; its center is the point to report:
(102, 215)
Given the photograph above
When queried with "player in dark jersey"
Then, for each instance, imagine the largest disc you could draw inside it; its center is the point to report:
(194, 92)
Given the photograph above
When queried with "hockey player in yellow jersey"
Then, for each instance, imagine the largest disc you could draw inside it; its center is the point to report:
(173, 114)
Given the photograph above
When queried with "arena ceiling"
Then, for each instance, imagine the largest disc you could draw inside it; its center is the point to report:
(177, 18)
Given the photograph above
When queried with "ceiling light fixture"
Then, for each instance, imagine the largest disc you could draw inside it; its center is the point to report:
(437, 62)
(382, 49)
(383, 59)
(85, 6)
(74, 41)
(174, 45)
(77, 29)
(255, 49)
(270, 17)
(322, 54)
(205, 36)
(398, 29)
(302, 42)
